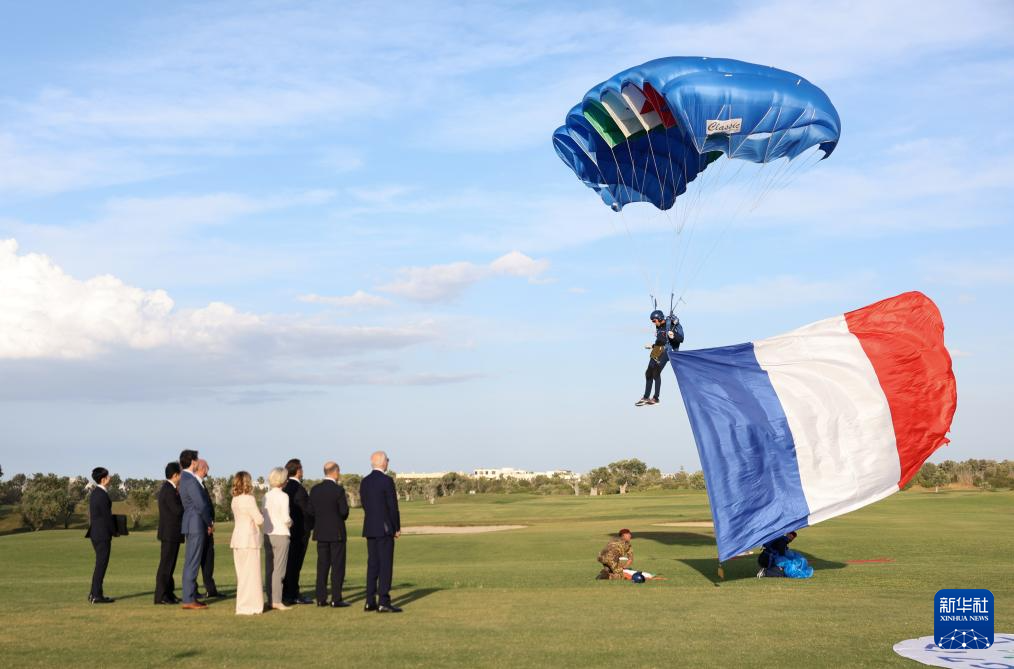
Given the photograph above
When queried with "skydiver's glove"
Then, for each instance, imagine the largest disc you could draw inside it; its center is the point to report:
(647, 346)
(672, 335)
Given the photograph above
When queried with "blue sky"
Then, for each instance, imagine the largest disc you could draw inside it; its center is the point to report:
(268, 230)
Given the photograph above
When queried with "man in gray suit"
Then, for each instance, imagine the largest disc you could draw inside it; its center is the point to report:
(197, 523)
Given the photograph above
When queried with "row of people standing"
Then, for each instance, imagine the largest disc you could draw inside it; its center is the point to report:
(289, 519)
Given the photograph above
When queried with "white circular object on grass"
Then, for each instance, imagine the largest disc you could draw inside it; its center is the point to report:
(998, 656)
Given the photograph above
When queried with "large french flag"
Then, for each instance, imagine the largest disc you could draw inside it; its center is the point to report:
(820, 421)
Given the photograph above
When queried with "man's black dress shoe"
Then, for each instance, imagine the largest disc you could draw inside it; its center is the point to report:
(323, 604)
(100, 600)
(388, 608)
(339, 604)
(370, 607)
(304, 600)
(214, 593)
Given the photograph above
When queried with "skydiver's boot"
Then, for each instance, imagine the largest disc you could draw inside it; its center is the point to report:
(653, 401)
(641, 402)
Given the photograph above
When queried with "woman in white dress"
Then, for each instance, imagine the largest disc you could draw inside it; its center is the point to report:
(246, 546)
(276, 529)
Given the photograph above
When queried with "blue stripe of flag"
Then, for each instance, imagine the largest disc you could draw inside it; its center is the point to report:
(745, 445)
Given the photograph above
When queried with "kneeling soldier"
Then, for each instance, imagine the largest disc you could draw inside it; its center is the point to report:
(616, 556)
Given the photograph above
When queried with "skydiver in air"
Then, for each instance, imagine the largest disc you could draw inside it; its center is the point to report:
(667, 331)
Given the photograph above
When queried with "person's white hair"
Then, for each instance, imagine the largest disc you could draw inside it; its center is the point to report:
(277, 477)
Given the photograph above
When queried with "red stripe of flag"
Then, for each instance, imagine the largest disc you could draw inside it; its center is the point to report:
(903, 337)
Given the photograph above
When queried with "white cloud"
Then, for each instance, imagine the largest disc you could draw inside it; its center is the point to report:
(46, 313)
(518, 264)
(64, 336)
(358, 299)
(437, 283)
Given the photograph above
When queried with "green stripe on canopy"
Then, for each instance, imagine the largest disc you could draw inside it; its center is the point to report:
(603, 123)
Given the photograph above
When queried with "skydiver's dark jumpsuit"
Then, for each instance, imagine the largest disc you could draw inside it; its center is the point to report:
(659, 357)
(773, 549)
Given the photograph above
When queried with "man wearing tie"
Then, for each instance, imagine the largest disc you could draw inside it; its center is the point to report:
(330, 508)
(170, 534)
(299, 533)
(196, 527)
(208, 554)
(381, 526)
(101, 530)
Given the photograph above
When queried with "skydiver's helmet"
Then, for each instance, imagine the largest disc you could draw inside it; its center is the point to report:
(657, 315)
(637, 577)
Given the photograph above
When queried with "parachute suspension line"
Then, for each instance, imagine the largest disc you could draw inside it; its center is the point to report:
(741, 208)
(626, 225)
(753, 185)
(662, 185)
(712, 186)
(631, 247)
(691, 204)
(789, 172)
(778, 172)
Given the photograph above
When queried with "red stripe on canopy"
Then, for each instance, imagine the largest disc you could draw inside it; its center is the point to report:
(657, 101)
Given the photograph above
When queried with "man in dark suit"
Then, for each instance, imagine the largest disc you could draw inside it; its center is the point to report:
(101, 530)
(208, 554)
(330, 510)
(299, 533)
(381, 526)
(170, 534)
(196, 526)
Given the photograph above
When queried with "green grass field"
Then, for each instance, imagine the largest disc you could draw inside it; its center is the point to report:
(527, 597)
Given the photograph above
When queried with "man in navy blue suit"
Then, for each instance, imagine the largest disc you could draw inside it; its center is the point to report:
(381, 526)
(101, 530)
(197, 523)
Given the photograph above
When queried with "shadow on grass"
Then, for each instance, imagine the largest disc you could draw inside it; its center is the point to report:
(358, 593)
(135, 595)
(746, 567)
(676, 538)
(413, 595)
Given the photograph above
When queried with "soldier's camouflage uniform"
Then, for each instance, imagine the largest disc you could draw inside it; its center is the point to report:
(609, 557)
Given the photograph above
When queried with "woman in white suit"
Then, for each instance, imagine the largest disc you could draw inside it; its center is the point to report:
(246, 546)
(276, 528)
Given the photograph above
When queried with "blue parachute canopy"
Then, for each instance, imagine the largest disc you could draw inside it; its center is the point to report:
(647, 132)
(794, 565)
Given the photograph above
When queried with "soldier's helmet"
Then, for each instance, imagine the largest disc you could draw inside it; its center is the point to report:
(637, 577)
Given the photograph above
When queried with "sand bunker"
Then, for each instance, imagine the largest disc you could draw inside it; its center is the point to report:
(458, 529)
(687, 523)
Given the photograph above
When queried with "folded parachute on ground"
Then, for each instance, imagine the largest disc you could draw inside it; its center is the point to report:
(820, 421)
(794, 565)
(647, 132)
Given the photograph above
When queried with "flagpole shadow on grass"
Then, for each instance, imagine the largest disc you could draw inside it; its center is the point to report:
(746, 567)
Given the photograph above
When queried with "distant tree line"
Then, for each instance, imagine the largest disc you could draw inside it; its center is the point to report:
(616, 478)
(49, 500)
(985, 474)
